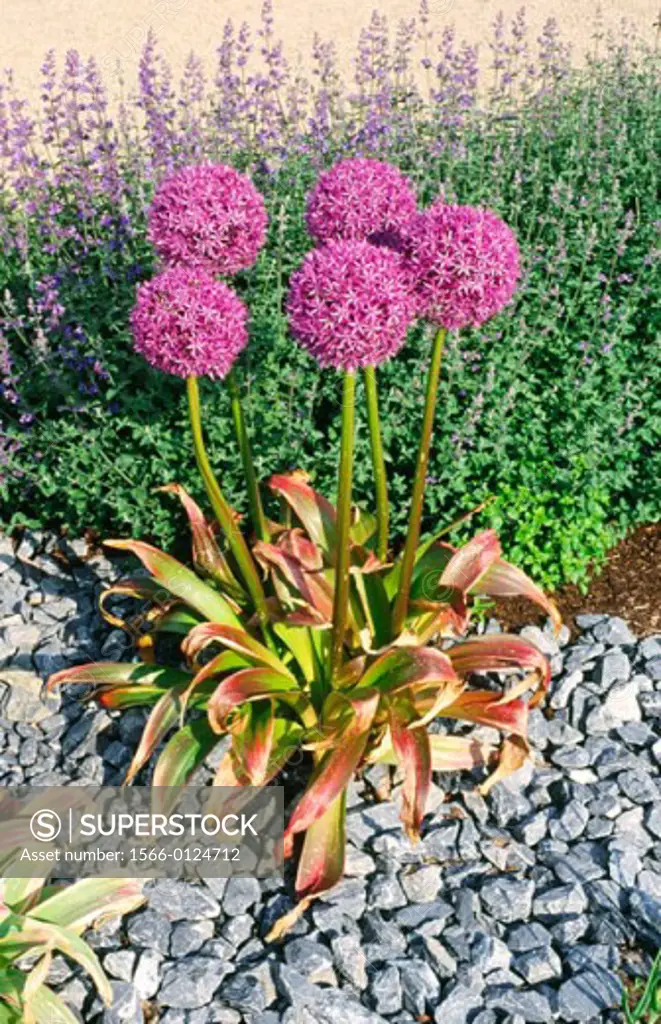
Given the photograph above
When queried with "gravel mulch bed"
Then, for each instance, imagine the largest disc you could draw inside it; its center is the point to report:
(527, 907)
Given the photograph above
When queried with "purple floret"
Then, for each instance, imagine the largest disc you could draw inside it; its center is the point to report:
(349, 305)
(360, 199)
(464, 264)
(210, 217)
(186, 323)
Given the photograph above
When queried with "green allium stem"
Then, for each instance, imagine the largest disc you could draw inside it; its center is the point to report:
(378, 463)
(415, 516)
(221, 508)
(254, 499)
(343, 561)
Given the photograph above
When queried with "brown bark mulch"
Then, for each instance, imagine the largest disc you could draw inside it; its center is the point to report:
(629, 585)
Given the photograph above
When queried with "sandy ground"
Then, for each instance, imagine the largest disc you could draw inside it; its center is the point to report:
(114, 30)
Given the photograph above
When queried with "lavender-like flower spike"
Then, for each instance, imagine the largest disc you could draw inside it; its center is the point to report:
(360, 199)
(186, 323)
(209, 216)
(464, 264)
(349, 305)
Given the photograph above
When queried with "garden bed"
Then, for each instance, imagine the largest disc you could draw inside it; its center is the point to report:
(461, 283)
(627, 586)
(551, 407)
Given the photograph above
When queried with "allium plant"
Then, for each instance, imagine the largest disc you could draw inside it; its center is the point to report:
(465, 264)
(349, 305)
(208, 216)
(309, 632)
(358, 200)
(186, 323)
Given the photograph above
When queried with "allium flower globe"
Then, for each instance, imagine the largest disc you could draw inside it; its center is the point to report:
(463, 262)
(349, 305)
(208, 216)
(360, 199)
(186, 323)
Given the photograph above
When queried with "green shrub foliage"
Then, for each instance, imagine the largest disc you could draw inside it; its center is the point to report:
(552, 410)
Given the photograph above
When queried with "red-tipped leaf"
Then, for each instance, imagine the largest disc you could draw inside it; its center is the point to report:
(224, 663)
(294, 582)
(488, 708)
(471, 561)
(121, 697)
(322, 859)
(207, 556)
(335, 768)
(315, 512)
(403, 667)
(117, 673)
(285, 742)
(180, 581)
(448, 753)
(251, 651)
(413, 752)
(504, 580)
(253, 740)
(248, 685)
(321, 864)
(183, 753)
(162, 719)
(502, 652)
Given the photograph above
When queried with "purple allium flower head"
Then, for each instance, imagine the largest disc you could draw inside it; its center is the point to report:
(360, 199)
(464, 264)
(208, 216)
(186, 323)
(349, 305)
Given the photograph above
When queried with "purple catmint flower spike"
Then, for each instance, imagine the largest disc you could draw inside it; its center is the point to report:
(464, 264)
(360, 199)
(349, 305)
(209, 216)
(156, 100)
(188, 324)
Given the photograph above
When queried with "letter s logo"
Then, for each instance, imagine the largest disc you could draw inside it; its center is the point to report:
(45, 826)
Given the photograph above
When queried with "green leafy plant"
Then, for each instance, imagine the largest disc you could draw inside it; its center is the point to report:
(39, 919)
(303, 632)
